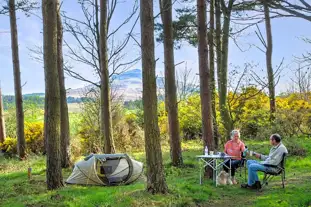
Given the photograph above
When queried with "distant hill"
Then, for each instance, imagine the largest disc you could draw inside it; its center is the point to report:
(127, 84)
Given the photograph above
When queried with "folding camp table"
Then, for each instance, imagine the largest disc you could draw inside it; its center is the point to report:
(215, 162)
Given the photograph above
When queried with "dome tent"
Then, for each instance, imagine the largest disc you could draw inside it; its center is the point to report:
(106, 169)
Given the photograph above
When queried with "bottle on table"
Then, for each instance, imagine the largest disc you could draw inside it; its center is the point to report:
(206, 150)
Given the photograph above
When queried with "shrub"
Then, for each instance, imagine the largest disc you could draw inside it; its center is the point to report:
(34, 137)
(190, 117)
(126, 130)
(10, 123)
(295, 147)
(9, 145)
(75, 148)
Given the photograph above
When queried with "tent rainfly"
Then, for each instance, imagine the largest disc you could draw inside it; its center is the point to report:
(106, 169)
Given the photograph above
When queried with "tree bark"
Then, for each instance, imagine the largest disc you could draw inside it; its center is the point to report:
(106, 119)
(2, 123)
(205, 90)
(170, 83)
(64, 117)
(52, 116)
(212, 70)
(155, 176)
(223, 70)
(269, 48)
(21, 144)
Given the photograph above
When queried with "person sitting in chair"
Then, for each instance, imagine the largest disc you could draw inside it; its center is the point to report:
(268, 162)
(234, 147)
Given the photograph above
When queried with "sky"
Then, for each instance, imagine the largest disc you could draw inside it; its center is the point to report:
(287, 43)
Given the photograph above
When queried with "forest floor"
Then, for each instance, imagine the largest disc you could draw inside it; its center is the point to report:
(183, 183)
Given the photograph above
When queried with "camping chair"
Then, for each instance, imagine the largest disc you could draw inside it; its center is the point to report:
(243, 165)
(275, 171)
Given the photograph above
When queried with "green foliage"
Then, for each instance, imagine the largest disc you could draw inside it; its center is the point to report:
(184, 28)
(30, 99)
(127, 132)
(37, 99)
(249, 109)
(251, 113)
(10, 122)
(88, 130)
(190, 117)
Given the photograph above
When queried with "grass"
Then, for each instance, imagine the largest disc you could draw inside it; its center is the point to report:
(183, 183)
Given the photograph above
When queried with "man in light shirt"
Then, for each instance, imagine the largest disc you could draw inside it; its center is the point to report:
(268, 163)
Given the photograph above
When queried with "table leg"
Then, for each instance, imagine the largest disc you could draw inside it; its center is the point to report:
(230, 171)
(215, 172)
(200, 171)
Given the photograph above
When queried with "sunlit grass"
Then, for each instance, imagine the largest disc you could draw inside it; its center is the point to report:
(183, 183)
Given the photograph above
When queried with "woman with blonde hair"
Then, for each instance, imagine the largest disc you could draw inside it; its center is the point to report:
(234, 147)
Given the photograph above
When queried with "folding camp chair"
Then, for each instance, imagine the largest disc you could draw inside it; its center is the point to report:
(243, 165)
(275, 171)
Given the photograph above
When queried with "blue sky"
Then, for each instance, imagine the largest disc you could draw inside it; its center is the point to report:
(286, 38)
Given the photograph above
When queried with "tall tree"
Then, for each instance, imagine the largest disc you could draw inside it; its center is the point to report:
(155, 176)
(222, 67)
(64, 118)
(170, 82)
(21, 144)
(211, 44)
(105, 111)
(205, 87)
(298, 8)
(269, 48)
(2, 124)
(52, 115)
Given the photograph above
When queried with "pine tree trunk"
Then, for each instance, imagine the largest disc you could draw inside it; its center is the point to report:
(223, 71)
(2, 123)
(170, 83)
(269, 48)
(52, 115)
(105, 109)
(64, 117)
(205, 89)
(212, 70)
(21, 144)
(155, 176)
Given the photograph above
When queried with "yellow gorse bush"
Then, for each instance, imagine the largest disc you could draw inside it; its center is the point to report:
(33, 137)
(9, 145)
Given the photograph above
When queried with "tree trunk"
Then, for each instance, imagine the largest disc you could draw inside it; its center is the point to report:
(170, 83)
(155, 176)
(2, 124)
(223, 71)
(64, 117)
(205, 90)
(212, 71)
(21, 144)
(269, 48)
(52, 115)
(105, 109)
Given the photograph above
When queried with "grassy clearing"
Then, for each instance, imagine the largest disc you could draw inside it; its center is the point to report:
(16, 190)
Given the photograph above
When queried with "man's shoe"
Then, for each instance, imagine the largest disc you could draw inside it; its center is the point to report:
(245, 186)
(257, 185)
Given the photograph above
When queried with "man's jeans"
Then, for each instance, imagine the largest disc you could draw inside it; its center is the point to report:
(254, 166)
